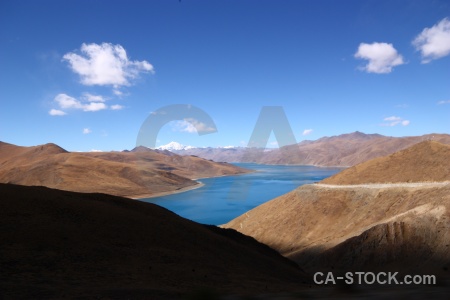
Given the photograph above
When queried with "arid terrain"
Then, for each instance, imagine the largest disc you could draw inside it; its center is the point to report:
(58, 244)
(423, 162)
(130, 174)
(352, 222)
(343, 150)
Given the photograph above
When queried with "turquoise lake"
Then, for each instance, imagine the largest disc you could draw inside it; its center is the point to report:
(222, 199)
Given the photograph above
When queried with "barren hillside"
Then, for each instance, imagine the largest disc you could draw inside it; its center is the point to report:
(342, 150)
(425, 161)
(401, 227)
(58, 245)
(117, 173)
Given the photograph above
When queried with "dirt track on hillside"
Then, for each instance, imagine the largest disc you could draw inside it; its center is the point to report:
(385, 185)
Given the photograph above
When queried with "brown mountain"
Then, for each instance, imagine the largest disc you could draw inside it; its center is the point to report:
(59, 244)
(131, 174)
(425, 161)
(342, 150)
(400, 227)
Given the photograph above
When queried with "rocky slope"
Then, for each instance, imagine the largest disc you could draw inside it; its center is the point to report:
(131, 174)
(399, 227)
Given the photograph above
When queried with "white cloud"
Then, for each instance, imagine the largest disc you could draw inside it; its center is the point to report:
(183, 126)
(86, 131)
(394, 120)
(93, 98)
(116, 107)
(56, 112)
(106, 64)
(117, 92)
(67, 102)
(444, 102)
(95, 150)
(94, 106)
(307, 131)
(191, 125)
(200, 127)
(382, 57)
(434, 42)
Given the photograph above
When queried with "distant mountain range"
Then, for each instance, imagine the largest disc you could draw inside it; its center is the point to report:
(343, 150)
(174, 146)
(141, 172)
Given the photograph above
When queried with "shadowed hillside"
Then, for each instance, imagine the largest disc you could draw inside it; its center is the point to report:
(117, 173)
(59, 244)
(401, 227)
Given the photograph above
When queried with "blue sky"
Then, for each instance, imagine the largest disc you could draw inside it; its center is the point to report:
(87, 74)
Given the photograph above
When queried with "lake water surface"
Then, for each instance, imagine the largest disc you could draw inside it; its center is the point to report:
(222, 199)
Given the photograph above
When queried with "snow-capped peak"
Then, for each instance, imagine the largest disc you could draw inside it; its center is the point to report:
(174, 146)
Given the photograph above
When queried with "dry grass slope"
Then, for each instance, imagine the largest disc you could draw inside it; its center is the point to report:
(405, 229)
(425, 161)
(58, 244)
(116, 173)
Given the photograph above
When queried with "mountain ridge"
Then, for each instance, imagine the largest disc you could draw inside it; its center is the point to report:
(133, 174)
(401, 166)
(381, 228)
(342, 150)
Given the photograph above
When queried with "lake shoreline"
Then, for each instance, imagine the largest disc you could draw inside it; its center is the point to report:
(185, 189)
(161, 194)
(200, 184)
(223, 198)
